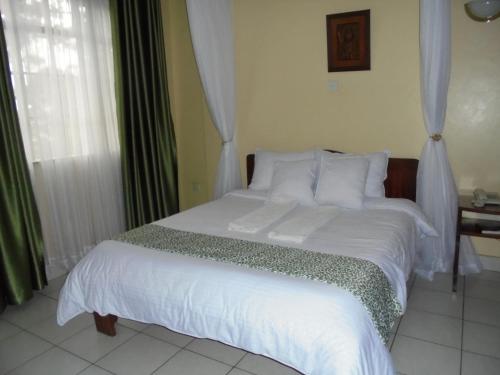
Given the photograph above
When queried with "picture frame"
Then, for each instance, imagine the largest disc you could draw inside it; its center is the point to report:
(348, 41)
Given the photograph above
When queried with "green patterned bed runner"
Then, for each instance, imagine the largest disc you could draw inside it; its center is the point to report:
(362, 278)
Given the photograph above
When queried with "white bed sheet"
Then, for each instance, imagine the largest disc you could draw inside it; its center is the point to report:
(314, 327)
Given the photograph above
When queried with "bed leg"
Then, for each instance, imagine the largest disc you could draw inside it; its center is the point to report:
(105, 324)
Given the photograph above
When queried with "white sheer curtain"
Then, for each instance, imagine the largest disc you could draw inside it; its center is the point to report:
(436, 189)
(61, 60)
(211, 31)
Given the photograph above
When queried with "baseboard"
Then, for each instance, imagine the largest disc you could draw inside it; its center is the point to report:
(54, 272)
(490, 263)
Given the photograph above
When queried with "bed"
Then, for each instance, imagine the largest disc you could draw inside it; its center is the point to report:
(314, 327)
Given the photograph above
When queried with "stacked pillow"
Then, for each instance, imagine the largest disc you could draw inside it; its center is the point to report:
(293, 180)
(264, 165)
(342, 181)
(346, 179)
(320, 177)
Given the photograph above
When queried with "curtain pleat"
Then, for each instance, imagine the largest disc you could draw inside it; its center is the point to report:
(436, 189)
(61, 58)
(21, 245)
(147, 139)
(211, 25)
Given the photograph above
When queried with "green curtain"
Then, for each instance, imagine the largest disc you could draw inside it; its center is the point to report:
(22, 267)
(147, 140)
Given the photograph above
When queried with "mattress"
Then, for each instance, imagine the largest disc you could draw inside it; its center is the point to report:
(313, 327)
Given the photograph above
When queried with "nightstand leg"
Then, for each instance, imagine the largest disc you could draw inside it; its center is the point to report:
(455, 273)
(457, 251)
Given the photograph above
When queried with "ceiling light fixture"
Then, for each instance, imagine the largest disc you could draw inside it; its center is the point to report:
(483, 10)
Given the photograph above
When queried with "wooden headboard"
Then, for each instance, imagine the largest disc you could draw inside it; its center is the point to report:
(401, 179)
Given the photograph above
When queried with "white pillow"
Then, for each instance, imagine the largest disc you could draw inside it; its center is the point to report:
(293, 181)
(342, 181)
(377, 171)
(264, 164)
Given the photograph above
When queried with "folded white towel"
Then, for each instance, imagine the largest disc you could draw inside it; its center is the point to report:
(262, 217)
(298, 228)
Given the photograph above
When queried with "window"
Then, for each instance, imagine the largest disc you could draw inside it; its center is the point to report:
(57, 52)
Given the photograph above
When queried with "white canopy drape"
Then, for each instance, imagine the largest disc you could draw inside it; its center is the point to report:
(436, 189)
(61, 57)
(211, 31)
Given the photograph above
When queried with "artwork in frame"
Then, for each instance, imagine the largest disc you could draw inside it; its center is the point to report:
(348, 41)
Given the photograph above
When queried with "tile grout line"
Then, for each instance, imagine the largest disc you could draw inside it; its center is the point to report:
(79, 372)
(185, 347)
(482, 323)
(442, 291)
(180, 349)
(53, 346)
(12, 335)
(94, 363)
(454, 317)
(429, 312)
(74, 354)
(484, 299)
(475, 322)
(46, 295)
(137, 332)
(164, 363)
(29, 360)
(414, 286)
(435, 290)
(32, 358)
(396, 332)
(435, 313)
(430, 342)
(238, 368)
(241, 359)
(482, 355)
(213, 359)
(119, 345)
(24, 330)
(168, 342)
(56, 344)
(102, 368)
(66, 350)
(90, 365)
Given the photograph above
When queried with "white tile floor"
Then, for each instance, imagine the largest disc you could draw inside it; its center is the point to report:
(440, 334)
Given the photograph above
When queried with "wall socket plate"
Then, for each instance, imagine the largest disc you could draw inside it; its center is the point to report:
(333, 85)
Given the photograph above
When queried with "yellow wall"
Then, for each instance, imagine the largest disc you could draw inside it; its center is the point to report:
(283, 101)
(198, 144)
(473, 117)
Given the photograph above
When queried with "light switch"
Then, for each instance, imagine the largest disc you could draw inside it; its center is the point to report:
(332, 85)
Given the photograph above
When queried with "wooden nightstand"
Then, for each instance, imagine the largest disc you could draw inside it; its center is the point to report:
(473, 227)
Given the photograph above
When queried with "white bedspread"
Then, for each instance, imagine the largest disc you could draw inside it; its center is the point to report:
(314, 327)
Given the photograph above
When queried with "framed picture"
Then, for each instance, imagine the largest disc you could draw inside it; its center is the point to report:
(348, 41)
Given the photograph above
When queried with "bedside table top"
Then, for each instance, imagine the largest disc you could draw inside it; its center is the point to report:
(465, 204)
